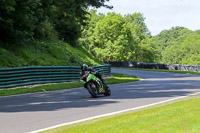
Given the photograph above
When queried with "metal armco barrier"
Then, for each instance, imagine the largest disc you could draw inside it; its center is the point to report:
(22, 76)
(155, 66)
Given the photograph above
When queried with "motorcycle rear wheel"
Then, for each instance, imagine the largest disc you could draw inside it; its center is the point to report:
(108, 91)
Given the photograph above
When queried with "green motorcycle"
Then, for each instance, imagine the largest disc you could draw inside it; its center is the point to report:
(94, 85)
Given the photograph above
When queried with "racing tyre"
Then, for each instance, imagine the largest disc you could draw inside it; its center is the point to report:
(108, 91)
(92, 89)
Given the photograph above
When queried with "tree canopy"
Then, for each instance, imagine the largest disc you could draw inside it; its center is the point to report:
(179, 45)
(110, 37)
(186, 52)
(114, 37)
(44, 19)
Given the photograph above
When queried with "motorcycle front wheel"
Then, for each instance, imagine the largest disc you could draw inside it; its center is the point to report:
(92, 89)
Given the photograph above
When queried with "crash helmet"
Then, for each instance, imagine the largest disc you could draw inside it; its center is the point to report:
(84, 67)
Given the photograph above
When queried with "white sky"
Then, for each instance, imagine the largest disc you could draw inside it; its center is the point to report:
(160, 14)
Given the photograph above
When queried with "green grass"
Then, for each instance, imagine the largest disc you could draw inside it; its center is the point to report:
(117, 78)
(178, 117)
(44, 53)
(121, 78)
(160, 70)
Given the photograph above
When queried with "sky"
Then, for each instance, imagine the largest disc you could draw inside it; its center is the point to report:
(160, 14)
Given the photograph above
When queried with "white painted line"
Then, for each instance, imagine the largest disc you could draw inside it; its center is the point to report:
(113, 113)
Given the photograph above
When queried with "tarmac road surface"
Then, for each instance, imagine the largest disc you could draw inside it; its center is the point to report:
(30, 112)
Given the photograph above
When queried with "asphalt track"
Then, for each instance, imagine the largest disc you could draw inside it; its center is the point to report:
(30, 112)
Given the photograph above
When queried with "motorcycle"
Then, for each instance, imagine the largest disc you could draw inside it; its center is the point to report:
(94, 85)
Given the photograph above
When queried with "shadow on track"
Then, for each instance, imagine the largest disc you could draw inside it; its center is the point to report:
(154, 85)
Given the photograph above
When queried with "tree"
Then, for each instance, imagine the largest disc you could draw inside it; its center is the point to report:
(28, 19)
(138, 27)
(145, 46)
(17, 19)
(187, 52)
(68, 16)
(112, 39)
(197, 31)
(88, 30)
(167, 38)
(171, 37)
(147, 51)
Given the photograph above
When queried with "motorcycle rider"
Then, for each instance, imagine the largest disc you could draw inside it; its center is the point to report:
(85, 67)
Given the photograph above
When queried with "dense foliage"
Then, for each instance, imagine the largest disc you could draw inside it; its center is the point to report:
(114, 37)
(44, 19)
(38, 32)
(46, 28)
(179, 46)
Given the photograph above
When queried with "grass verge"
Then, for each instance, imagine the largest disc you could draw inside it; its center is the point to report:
(160, 70)
(46, 53)
(116, 78)
(174, 117)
